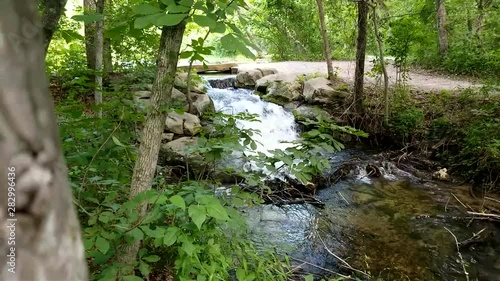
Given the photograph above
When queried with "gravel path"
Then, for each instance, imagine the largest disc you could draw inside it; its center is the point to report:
(345, 70)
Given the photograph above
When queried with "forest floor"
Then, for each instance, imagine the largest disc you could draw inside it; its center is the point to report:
(418, 80)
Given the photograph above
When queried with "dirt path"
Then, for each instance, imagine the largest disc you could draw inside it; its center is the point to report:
(345, 70)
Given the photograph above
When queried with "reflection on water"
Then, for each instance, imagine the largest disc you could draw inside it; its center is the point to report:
(392, 229)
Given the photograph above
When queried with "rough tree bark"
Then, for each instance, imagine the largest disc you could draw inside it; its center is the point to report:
(90, 7)
(51, 14)
(326, 44)
(99, 54)
(360, 56)
(43, 231)
(145, 166)
(108, 58)
(442, 28)
(380, 44)
(482, 6)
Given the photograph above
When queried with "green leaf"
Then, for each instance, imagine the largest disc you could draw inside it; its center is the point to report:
(198, 214)
(309, 278)
(188, 247)
(240, 274)
(219, 28)
(88, 18)
(170, 19)
(152, 258)
(230, 42)
(202, 20)
(186, 3)
(186, 54)
(102, 245)
(217, 211)
(71, 35)
(143, 22)
(136, 233)
(175, 9)
(118, 142)
(144, 268)
(168, 2)
(146, 9)
(178, 201)
(132, 278)
(253, 145)
(171, 235)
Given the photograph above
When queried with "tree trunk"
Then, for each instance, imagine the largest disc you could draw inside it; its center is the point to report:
(482, 5)
(108, 56)
(380, 44)
(360, 56)
(51, 14)
(326, 44)
(442, 28)
(99, 47)
(145, 166)
(90, 7)
(40, 237)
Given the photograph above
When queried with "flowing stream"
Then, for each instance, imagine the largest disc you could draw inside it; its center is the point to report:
(393, 227)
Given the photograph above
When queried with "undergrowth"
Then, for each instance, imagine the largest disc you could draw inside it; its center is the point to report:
(459, 129)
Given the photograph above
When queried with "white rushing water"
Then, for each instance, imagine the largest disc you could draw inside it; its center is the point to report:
(276, 125)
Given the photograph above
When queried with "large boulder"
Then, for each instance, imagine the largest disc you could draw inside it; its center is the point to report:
(142, 99)
(183, 124)
(202, 103)
(309, 112)
(177, 152)
(319, 91)
(280, 88)
(197, 85)
(247, 78)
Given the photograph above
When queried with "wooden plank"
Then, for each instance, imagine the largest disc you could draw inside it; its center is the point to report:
(224, 67)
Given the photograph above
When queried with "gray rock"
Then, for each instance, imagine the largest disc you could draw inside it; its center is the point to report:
(197, 85)
(202, 103)
(167, 136)
(310, 112)
(183, 124)
(177, 152)
(283, 87)
(319, 91)
(247, 78)
(267, 71)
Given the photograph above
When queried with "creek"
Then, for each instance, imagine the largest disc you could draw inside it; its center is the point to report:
(393, 227)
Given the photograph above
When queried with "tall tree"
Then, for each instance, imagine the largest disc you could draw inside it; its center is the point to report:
(90, 7)
(99, 54)
(42, 239)
(482, 6)
(360, 55)
(381, 56)
(149, 149)
(52, 11)
(326, 44)
(441, 20)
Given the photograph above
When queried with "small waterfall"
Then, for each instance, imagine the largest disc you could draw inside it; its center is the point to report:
(277, 125)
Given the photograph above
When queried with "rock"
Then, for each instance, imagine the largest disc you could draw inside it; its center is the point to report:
(267, 71)
(167, 136)
(197, 85)
(441, 174)
(183, 124)
(178, 97)
(228, 82)
(319, 91)
(142, 99)
(280, 88)
(176, 153)
(248, 78)
(202, 103)
(310, 112)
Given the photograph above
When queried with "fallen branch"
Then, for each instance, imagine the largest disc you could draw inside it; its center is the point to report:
(485, 215)
(459, 254)
(346, 265)
(322, 268)
(494, 200)
(466, 207)
(475, 236)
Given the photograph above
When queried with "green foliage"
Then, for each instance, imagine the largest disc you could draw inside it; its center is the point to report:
(406, 117)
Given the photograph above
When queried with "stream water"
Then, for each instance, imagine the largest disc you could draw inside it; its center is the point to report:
(393, 227)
